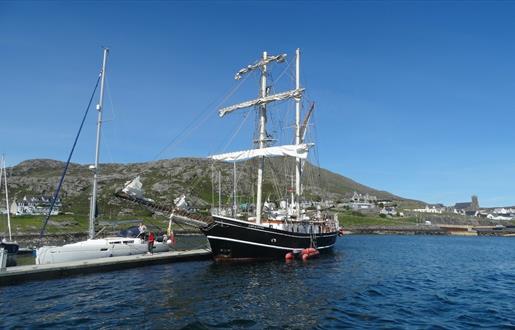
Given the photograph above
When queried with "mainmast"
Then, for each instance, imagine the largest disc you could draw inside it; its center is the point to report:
(100, 105)
(262, 137)
(297, 133)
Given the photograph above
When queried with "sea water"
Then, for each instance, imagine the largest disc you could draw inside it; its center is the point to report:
(366, 282)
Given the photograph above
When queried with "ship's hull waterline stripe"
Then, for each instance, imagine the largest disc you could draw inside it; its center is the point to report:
(266, 229)
(261, 244)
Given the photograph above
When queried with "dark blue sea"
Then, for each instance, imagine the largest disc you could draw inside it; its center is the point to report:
(367, 282)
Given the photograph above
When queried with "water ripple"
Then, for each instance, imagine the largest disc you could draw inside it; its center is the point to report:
(367, 282)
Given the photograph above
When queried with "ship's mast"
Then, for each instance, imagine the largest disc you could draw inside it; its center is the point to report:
(262, 137)
(100, 105)
(6, 198)
(297, 133)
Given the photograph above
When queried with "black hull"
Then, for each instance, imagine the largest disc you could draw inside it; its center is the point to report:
(232, 240)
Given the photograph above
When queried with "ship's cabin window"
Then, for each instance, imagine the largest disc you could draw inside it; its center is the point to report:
(128, 242)
(115, 242)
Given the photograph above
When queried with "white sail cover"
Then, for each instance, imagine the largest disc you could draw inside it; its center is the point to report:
(298, 151)
(134, 188)
(277, 58)
(263, 100)
(181, 203)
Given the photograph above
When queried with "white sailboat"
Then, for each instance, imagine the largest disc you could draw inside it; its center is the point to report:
(9, 245)
(95, 248)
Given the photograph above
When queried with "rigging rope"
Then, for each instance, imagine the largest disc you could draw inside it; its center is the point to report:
(206, 113)
(194, 185)
(56, 194)
(236, 132)
(317, 158)
(275, 182)
(288, 66)
(195, 124)
(114, 119)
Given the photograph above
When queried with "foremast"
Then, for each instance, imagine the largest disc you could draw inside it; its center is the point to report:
(262, 137)
(297, 134)
(94, 168)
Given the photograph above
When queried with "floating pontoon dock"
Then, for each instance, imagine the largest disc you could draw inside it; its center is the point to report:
(19, 274)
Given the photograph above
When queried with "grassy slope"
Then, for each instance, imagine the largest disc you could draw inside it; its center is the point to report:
(62, 224)
(353, 219)
(73, 223)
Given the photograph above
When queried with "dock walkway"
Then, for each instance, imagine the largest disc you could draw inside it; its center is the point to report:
(19, 274)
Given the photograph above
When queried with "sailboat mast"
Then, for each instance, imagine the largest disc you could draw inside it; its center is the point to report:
(262, 137)
(100, 105)
(7, 199)
(297, 133)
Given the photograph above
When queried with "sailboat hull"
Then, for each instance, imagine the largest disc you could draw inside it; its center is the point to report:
(10, 247)
(95, 249)
(232, 239)
(12, 250)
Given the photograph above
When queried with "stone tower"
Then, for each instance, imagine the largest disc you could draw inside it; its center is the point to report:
(474, 206)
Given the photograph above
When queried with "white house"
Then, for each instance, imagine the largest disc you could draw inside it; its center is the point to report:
(432, 209)
(35, 206)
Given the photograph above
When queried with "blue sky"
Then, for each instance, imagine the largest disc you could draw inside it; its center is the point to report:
(416, 98)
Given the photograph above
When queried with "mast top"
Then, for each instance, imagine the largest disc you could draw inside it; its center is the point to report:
(104, 60)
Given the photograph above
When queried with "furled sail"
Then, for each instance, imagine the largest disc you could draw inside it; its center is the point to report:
(277, 58)
(299, 151)
(297, 93)
(134, 188)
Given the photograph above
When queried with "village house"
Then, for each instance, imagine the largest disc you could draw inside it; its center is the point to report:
(391, 211)
(35, 206)
(362, 202)
(431, 209)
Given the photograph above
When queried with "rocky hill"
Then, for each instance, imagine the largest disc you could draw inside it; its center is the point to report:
(164, 180)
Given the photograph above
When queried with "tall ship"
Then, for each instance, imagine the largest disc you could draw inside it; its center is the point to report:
(270, 234)
(264, 232)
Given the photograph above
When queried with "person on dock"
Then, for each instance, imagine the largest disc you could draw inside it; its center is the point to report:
(160, 236)
(142, 230)
(151, 239)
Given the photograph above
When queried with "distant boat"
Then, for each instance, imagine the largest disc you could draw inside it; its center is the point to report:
(95, 248)
(10, 246)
